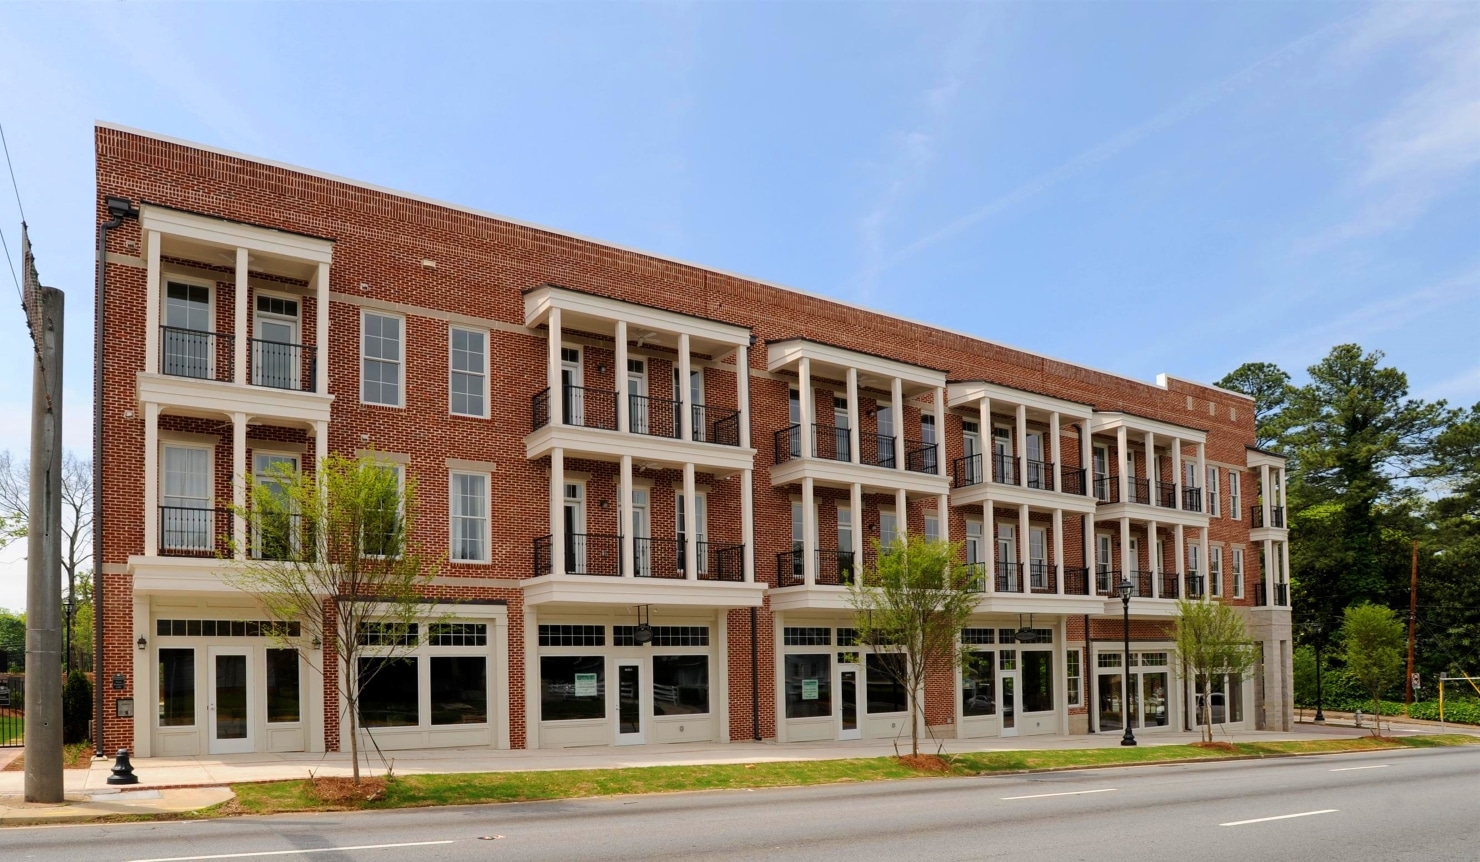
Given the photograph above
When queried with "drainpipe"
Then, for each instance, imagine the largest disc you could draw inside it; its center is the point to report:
(755, 683)
(119, 209)
(1085, 672)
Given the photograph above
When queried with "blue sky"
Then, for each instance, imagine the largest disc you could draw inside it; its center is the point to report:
(1140, 187)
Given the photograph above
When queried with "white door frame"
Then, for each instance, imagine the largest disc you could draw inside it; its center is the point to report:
(858, 702)
(644, 701)
(1003, 702)
(247, 744)
(642, 528)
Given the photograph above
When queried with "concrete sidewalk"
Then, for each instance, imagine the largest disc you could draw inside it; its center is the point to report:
(95, 804)
(225, 769)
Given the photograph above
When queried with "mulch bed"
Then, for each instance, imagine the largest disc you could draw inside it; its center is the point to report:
(344, 791)
(925, 762)
(1216, 746)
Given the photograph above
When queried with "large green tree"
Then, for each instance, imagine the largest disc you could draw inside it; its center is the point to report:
(1270, 388)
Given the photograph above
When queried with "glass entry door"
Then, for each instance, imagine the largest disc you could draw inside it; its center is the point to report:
(848, 692)
(629, 702)
(230, 707)
(1008, 685)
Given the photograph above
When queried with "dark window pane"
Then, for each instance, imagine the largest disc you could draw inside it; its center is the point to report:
(459, 690)
(1037, 668)
(885, 693)
(979, 686)
(680, 684)
(572, 687)
(192, 628)
(162, 628)
(177, 628)
(808, 685)
(208, 628)
(176, 687)
(388, 695)
(282, 685)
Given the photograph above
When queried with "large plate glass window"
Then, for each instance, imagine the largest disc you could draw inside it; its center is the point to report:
(808, 685)
(177, 688)
(572, 687)
(283, 693)
(459, 688)
(680, 684)
(885, 692)
(389, 692)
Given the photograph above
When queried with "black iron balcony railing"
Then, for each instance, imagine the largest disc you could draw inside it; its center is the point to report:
(1281, 594)
(834, 568)
(1276, 516)
(1192, 499)
(1106, 581)
(1171, 585)
(1138, 490)
(1166, 495)
(921, 457)
(196, 353)
(1040, 474)
(1142, 579)
(788, 443)
(716, 425)
(279, 365)
(876, 450)
(1009, 577)
(967, 471)
(655, 417)
(1071, 480)
(1042, 577)
(1107, 489)
(1195, 586)
(658, 558)
(186, 531)
(1076, 581)
(720, 561)
(585, 554)
(831, 443)
(1004, 469)
(582, 407)
(976, 576)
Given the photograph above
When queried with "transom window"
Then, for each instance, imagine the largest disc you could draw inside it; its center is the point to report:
(279, 305)
(457, 634)
(567, 635)
(663, 636)
(227, 628)
(977, 636)
(389, 634)
(806, 636)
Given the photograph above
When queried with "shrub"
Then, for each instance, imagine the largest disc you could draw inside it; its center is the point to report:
(77, 704)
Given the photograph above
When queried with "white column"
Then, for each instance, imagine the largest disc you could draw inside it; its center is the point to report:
(1266, 574)
(1180, 549)
(684, 394)
(742, 393)
(321, 330)
(901, 502)
(1020, 445)
(940, 440)
(557, 499)
(1056, 450)
(943, 516)
(1086, 458)
(153, 297)
(984, 420)
(691, 524)
(1024, 547)
(624, 399)
(151, 479)
(1154, 559)
(1126, 564)
(240, 333)
(1285, 564)
(1091, 552)
(809, 532)
(1177, 478)
(239, 471)
(320, 445)
(853, 453)
(624, 509)
(1153, 475)
(552, 380)
(1120, 446)
(1280, 482)
(896, 406)
(1058, 545)
(747, 523)
(804, 395)
(860, 536)
(1206, 556)
(989, 542)
(1202, 482)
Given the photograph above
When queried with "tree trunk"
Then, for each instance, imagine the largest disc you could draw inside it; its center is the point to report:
(1208, 708)
(352, 689)
(914, 724)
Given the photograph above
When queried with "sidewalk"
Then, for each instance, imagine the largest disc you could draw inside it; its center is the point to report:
(80, 807)
(218, 770)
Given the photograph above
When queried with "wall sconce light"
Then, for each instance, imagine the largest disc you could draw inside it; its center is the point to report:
(873, 528)
(143, 642)
(752, 340)
(604, 504)
(601, 368)
(317, 642)
(869, 412)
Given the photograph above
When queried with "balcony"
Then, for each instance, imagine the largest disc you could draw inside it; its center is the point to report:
(1009, 577)
(831, 464)
(1281, 595)
(195, 532)
(1166, 495)
(834, 568)
(591, 427)
(655, 417)
(196, 354)
(1171, 585)
(1195, 586)
(1163, 496)
(1040, 475)
(1071, 480)
(967, 471)
(1004, 469)
(1042, 577)
(1143, 581)
(1276, 517)
(657, 558)
(716, 425)
(585, 554)
(921, 457)
(976, 576)
(1076, 581)
(1192, 500)
(721, 561)
(581, 407)
(1106, 581)
(278, 365)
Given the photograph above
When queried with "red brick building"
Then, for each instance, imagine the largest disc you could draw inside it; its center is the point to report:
(609, 445)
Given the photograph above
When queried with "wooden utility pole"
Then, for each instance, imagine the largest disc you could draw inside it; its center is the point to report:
(1412, 623)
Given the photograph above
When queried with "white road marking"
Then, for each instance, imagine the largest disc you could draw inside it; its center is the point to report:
(1281, 817)
(1066, 793)
(292, 852)
(1353, 768)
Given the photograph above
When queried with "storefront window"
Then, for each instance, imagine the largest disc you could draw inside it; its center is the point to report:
(388, 692)
(1107, 701)
(282, 685)
(1154, 699)
(176, 687)
(979, 686)
(885, 692)
(572, 687)
(680, 684)
(1071, 677)
(1037, 681)
(808, 686)
(459, 689)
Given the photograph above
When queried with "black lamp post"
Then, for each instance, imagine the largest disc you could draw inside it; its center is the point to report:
(1125, 588)
(1320, 716)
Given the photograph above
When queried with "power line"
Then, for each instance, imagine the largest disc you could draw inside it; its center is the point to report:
(13, 185)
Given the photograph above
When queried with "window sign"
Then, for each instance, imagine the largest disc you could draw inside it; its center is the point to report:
(809, 689)
(585, 685)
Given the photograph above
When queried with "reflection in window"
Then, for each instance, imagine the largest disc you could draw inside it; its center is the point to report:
(459, 689)
(808, 686)
(282, 685)
(572, 687)
(979, 686)
(176, 687)
(885, 692)
(1037, 681)
(388, 693)
(680, 684)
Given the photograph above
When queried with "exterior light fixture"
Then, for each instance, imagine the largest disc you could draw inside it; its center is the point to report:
(143, 642)
(1126, 588)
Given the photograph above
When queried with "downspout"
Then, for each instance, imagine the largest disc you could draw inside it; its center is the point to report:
(1086, 670)
(119, 208)
(755, 682)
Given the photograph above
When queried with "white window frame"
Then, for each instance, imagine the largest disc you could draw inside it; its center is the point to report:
(1215, 507)
(932, 528)
(400, 470)
(1235, 501)
(1236, 563)
(400, 364)
(701, 517)
(258, 477)
(487, 344)
(1215, 571)
(452, 517)
(164, 308)
(1072, 693)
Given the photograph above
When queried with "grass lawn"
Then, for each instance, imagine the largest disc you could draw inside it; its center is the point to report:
(77, 755)
(428, 790)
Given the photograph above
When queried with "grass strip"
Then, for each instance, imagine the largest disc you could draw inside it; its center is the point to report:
(411, 791)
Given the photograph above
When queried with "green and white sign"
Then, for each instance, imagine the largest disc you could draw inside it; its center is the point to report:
(809, 689)
(585, 685)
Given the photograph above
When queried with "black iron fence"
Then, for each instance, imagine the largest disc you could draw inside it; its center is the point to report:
(721, 561)
(585, 554)
(1009, 577)
(12, 708)
(1192, 499)
(920, 457)
(280, 365)
(1171, 585)
(1166, 495)
(876, 450)
(834, 568)
(194, 532)
(1004, 469)
(1040, 474)
(655, 417)
(1042, 577)
(1076, 581)
(1071, 480)
(197, 354)
(716, 425)
(831, 443)
(967, 471)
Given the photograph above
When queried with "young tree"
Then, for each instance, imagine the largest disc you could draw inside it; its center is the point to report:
(1211, 642)
(332, 552)
(915, 602)
(1270, 388)
(1373, 637)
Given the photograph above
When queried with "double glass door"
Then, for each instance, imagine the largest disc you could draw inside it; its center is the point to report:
(1140, 696)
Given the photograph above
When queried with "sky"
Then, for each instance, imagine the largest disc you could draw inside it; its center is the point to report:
(1138, 187)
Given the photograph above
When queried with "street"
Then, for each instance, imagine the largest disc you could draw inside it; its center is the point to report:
(1391, 805)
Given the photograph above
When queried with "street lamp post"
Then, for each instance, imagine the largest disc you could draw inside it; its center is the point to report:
(1320, 716)
(1125, 588)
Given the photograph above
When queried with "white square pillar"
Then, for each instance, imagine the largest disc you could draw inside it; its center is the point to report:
(557, 502)
(1177, 478)
(896, 406)
(984, 422)
(943, 516)
(742, 393)
(1153, 558)
(853, 453)
(1205, 506)
(901, 504)
(624, 510)
(241, 332)
(989, 546)
(556, 401)
(1153, 474)
(1056, 450)
(690, 524)
(1127, 565)
(685, 390)
(321, 329)
(1020, 445)
(809, 532)
(240, 469)
(747, 523)
(154, 301)
(940, 438)
(624, 395)
(1120, 455)
(804, 396)
(1058, 546)
(1179, 547)
(151, 481)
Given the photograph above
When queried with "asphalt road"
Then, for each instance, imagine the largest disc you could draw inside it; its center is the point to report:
(1420, 805)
